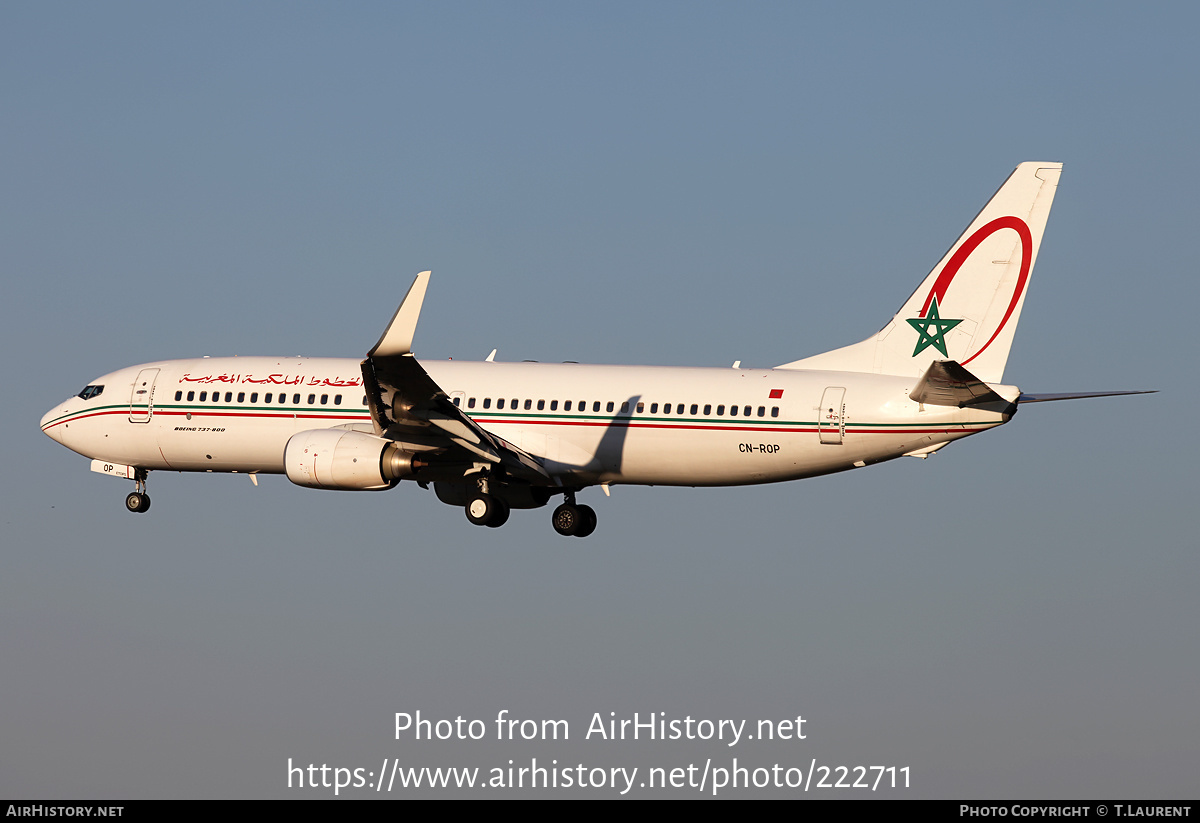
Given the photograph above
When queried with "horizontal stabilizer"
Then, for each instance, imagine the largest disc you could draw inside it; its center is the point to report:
(1046, 398)
(948, 383)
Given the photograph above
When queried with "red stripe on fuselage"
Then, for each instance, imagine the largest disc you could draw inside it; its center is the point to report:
(600, 423)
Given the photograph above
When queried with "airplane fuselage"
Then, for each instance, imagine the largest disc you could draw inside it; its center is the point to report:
(588, 424)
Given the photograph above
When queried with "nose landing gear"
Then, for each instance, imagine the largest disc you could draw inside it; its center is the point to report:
(138, 501)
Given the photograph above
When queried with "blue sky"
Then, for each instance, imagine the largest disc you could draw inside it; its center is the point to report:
(668, 183)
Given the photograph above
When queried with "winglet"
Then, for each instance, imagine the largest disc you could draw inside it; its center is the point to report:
(397, 339)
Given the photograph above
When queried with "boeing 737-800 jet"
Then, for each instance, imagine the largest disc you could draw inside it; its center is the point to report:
(496, 436)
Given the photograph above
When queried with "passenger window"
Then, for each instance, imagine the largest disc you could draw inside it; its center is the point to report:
(178, 396)
(641, 407)
(241, 397)
(499, 403)
(487, 402)
(456, 400)
(567, 406)
(695, 408)
(654, 408)
(312, 398)
(733, 411)
(324, 399)
(541, 405)
(295, 400)
(254, 397)
(228, 397)
(529, 404)
(553, 405)
(514, 404)
(625, 407)
(364, 400)
(203, 396)
(774, 411)
(337, 400)
(720, 411)
(268, 397)
(609, 407)
(707, 409)
(191, 396)
(471, 403)
(746, 412)
(216, 397)
(762, 411)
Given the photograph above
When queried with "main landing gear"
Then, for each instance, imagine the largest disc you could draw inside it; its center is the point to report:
(486, 509)
(138, 501)
(572, 520)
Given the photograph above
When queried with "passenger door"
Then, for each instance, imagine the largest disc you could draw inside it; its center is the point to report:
(141, 399)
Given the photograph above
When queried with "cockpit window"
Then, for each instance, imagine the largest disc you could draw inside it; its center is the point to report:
(91, 391)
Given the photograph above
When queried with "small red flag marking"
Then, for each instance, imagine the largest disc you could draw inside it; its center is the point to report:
(776, 394)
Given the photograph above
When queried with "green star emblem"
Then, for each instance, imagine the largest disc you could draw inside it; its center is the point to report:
(932, 330)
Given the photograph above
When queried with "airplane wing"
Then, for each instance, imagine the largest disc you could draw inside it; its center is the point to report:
(409, 407)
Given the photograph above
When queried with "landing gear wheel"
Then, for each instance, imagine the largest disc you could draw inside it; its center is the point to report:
(567, 519)
(137, 502)
(588, 516)
(500, 517)
(481, 509)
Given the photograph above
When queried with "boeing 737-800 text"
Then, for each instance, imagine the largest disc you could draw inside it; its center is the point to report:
(496, 436)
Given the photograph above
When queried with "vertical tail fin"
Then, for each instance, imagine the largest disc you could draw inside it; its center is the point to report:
(967, 308)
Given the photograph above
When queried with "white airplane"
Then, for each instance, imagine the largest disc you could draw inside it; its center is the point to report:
(496, 436)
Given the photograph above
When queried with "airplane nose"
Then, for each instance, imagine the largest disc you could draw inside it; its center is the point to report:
(54, 432)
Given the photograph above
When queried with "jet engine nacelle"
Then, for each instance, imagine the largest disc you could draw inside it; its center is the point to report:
(346, 460)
